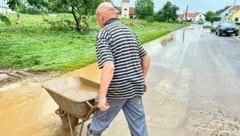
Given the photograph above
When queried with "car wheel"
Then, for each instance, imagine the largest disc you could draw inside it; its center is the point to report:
(236, 34)
(219, 33)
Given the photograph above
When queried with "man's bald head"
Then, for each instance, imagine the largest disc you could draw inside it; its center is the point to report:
(105, 7)
(104, 12)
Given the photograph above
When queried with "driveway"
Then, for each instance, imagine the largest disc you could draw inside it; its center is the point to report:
(193, 90)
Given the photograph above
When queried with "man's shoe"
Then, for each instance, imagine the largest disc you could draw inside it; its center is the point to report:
(89, 132)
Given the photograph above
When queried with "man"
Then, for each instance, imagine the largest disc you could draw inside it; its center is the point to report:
(124, 64)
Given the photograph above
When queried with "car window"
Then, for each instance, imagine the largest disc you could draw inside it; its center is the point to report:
(228, 24)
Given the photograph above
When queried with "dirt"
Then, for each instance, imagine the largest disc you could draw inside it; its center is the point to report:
(8, 76)
(166, 39)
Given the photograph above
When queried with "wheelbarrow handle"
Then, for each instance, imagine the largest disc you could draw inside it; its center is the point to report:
(92, 106)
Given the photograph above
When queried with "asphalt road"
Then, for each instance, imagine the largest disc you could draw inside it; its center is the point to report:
(194, 85)
(193, 90)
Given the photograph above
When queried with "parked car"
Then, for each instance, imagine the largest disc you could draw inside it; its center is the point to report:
(207, 25)
(214, 26)
(227, 28)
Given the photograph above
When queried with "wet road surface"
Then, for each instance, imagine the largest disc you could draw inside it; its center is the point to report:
(193, 90)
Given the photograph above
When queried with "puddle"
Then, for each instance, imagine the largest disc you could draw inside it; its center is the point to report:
(27, 109)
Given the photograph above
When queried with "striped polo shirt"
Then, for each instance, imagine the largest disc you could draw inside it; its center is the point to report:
(118, 44)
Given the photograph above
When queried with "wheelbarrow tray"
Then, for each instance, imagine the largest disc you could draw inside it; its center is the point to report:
(73, 94)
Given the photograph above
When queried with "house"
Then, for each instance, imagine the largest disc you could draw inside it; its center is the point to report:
(194, 17)
(222, 13)
(200, 17)
(125, 10)
(234, 14)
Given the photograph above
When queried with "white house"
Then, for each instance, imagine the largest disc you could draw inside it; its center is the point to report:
(195, 17)
(125, 10)
(223, 13)
(199, 17)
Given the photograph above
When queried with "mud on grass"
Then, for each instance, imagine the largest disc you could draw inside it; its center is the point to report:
(8, 76)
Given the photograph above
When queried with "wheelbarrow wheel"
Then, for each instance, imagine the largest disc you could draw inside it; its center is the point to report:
(63, 115)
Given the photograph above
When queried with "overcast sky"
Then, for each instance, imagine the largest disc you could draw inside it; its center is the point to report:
(193, 5)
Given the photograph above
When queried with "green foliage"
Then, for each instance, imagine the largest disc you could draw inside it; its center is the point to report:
(33, 44)
(144, 8)
(14, 4)
(211, 16)
(5, 19)
(167, 13)
(80, 9)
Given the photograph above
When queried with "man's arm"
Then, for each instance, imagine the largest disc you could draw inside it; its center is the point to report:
(106, 77)
(145, 62)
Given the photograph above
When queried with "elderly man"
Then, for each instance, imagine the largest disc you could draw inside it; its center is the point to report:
(124, 64)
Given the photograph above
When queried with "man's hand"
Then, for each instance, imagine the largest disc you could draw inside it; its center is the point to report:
(145, 88)
(103, 105)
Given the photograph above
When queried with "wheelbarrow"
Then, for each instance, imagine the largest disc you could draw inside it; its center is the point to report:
(75, 98)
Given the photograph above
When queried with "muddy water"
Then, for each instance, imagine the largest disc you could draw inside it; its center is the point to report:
(193, 90)
(23, 108)
(27, 109)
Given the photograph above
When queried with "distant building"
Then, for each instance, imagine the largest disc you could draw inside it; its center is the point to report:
(234, 14)
(194, 17)
(222, 13)
(125, 11)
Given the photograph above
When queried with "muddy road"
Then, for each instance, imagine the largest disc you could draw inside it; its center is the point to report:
(193, 90)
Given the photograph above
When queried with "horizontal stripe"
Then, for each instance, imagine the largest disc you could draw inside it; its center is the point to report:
(117, 43)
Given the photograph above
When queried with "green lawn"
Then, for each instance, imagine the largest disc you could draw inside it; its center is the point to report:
(34, 45)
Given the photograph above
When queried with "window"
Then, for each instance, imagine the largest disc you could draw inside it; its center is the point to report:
(236, 19)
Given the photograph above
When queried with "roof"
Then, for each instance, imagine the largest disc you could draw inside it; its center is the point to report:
(191, 15)
(225, 9)
(131, 10)
(237, 7)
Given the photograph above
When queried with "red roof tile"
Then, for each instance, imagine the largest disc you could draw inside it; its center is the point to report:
(191, 14)
(237, 7)
(131, 11)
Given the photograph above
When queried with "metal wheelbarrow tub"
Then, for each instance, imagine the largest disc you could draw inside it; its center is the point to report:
(75, 98)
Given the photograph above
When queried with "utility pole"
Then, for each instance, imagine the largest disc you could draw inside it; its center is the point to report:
(186, 13)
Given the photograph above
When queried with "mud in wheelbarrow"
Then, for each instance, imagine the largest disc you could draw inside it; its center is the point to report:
(75, 98)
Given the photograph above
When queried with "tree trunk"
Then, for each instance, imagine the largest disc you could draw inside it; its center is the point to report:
(77, 19)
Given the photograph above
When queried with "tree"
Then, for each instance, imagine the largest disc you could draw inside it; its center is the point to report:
(144, 8)
(167, 13)
(5, 19)
(12, 5)
(80, 9)
(211, 16)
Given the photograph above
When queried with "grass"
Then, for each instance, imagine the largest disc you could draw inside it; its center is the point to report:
(33, 44)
